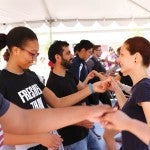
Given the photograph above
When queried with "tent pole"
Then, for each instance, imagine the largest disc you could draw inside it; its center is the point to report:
(50, 28)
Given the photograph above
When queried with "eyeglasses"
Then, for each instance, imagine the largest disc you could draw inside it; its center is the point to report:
(32, 54)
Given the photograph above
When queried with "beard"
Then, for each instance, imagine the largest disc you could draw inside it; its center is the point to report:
(66, 64)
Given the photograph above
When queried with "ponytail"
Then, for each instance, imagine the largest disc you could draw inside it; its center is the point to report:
(3, 40)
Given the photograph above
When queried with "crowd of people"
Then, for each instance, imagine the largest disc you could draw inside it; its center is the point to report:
(60, 113)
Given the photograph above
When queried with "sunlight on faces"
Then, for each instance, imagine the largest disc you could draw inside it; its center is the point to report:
(28, 54)
(66, 58)
(86, 53)
(67, 54)
(126, 60)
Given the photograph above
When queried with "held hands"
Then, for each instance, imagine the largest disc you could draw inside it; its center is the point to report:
(95, 113)
(102, 86)
(116, 120)
(114, 85)
(108, 84)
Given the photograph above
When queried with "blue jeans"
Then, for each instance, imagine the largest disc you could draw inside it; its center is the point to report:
(90, 142)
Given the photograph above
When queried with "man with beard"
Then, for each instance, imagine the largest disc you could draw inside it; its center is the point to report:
(63, 83)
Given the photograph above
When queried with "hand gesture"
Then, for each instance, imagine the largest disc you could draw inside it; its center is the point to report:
(96, 112)
(101, 86)
(50, 140)
(116, 120)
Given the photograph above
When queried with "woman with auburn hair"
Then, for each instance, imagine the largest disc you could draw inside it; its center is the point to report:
(134, 59)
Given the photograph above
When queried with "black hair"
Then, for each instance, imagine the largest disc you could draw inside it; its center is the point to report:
(56, 48)
(18, 36)
(76, 48)
(95, 47)
(86, 44)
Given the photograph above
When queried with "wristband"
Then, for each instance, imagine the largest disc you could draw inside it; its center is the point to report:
(91, 88)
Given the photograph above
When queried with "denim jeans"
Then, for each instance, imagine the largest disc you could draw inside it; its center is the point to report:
(90, 142)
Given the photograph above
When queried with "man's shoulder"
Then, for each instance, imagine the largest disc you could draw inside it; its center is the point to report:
(76, 60)
(90, 61)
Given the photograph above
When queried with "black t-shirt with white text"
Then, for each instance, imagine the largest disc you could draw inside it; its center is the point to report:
(24, 90)
(63, 86)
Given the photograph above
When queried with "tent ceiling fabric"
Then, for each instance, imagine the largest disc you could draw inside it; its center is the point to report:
(34, 11)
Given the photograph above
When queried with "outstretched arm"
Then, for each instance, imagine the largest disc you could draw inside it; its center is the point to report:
(21, 121)
(46, 139)
(72, 99)
(119, 93)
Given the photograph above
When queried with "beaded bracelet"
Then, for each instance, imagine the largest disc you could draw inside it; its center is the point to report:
(91, 88)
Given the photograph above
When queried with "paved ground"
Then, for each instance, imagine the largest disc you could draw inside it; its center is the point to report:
(99, 130)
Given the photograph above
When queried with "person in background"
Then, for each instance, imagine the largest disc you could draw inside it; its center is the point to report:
(93, 63)
(110, 59)
(75, 49)
(83, 51)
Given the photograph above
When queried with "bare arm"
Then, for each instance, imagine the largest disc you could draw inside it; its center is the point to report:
(140, 129)
(81, 85)
(119, 94)
(43, 120)
(46, 139)
(110, 140)
(72, 99)
(91, 75)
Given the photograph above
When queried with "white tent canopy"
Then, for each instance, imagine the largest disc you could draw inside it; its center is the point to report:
(107, 22)
(37, 11)
(66, 19)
